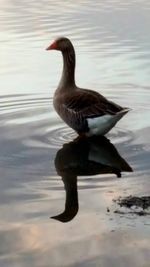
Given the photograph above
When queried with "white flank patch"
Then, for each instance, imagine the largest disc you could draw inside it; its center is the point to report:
(103, 124)
(100, 125)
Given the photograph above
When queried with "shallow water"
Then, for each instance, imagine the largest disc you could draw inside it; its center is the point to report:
(111, 39)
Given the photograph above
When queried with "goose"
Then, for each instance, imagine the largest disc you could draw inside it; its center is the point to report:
(86, 111)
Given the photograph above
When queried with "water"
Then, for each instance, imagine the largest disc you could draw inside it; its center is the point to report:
(111, 39)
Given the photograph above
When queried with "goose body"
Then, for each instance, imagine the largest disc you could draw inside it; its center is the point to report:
(86, 111)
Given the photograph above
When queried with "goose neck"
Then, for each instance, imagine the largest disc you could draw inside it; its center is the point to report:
(68, 73)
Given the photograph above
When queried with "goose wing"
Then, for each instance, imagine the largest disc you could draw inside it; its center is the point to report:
(77, 107)
(89, 104)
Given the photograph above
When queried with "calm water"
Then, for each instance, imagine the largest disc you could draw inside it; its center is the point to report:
(112, 42)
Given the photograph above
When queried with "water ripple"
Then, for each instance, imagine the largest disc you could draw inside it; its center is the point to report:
(36, 116)
(35, 113)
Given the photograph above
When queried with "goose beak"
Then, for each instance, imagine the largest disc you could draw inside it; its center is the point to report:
(52, 46)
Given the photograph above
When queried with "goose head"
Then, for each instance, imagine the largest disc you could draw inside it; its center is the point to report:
(62, 44)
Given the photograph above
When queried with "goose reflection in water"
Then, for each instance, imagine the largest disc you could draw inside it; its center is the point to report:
(81, 157)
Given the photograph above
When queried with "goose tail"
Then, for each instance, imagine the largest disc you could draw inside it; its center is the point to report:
(121, 113)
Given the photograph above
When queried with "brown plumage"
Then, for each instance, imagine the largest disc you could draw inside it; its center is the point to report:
(84, 110)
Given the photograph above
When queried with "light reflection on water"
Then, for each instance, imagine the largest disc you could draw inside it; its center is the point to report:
(116, 48)
(112, 44)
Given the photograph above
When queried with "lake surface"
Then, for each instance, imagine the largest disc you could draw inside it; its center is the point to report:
(112, 42)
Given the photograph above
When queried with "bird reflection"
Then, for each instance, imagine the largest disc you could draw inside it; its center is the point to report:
(85, 156)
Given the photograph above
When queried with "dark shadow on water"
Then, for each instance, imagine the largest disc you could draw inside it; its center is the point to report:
(81, 157)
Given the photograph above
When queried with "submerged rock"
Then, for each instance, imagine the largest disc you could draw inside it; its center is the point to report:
(134, 204)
